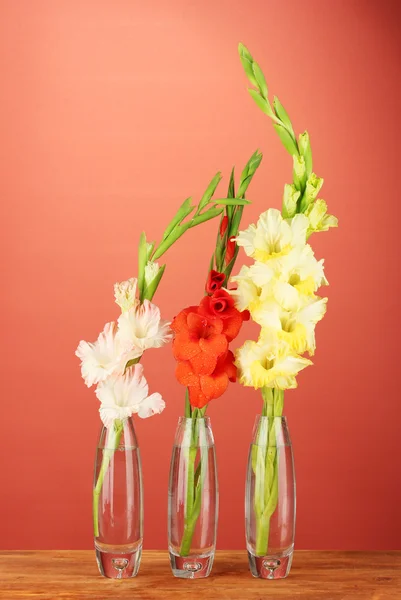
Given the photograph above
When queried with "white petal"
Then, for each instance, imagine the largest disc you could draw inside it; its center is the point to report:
(103, 357)
(152, 405)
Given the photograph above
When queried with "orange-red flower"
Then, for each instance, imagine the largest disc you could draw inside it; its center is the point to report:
(202, 333)
(203, 388)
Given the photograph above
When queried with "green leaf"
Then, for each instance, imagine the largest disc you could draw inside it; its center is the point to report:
(231, 185)
(178, 231)
(150, 290)
(261, 102)
(142, 260)
(206, 216)
(211, 188)
(232, 201)
(260, 79)
(286, 139)
(248, 172)
(185, 209)
(247, 60)
(282, 114)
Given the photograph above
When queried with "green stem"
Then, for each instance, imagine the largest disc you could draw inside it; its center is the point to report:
(107, 456)
(266, 469)
(195, 483)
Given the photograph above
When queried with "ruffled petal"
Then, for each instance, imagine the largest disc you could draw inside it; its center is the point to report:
(197, 398)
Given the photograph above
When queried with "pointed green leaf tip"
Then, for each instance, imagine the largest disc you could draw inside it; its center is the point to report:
(247, 62)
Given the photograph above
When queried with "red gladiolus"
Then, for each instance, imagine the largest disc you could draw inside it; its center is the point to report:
(214, 281)
(202, 333)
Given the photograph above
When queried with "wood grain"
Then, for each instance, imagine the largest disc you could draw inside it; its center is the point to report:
(73, 575)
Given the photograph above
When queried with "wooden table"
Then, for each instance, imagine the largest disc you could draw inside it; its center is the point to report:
(73, 575)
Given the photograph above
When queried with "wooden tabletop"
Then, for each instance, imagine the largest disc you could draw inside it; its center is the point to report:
(73, 575)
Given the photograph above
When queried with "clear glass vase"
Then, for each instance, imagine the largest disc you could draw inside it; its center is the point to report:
(117, 502)
(270, 499)
(192, 500)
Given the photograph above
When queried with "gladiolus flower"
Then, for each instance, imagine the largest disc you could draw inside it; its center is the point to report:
(121, 396)
(214, 281)
(105, 356)
(203, 388)
(142, 327)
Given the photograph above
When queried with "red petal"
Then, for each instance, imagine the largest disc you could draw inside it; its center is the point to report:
(232, 326)
(180, 321)
(214, 386)
(184, 347)
(204, 363)
(225, 364)
(185, 375)
(196, 397)
(215, 344)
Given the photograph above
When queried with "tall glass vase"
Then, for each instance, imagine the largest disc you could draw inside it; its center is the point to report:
(117, 502)
(192, 500)
(270, 499)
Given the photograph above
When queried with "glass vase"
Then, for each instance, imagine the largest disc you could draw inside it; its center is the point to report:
(270, 499)
(192, 500)
(117, 502)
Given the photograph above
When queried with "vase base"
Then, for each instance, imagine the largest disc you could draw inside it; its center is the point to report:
(118, 565)
(191, 567)
(273, 566)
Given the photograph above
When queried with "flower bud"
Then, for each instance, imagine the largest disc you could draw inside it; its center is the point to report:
(151, 271)
(290, 199)
(125, 294)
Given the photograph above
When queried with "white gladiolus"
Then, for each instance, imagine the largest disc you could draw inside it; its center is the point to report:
(125, 294)
(121, 396)
(105, 356)
(142, 327)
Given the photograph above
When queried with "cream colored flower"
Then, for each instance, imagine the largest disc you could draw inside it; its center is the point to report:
(273, 236)
(269, 363)
(121, 396)
(142, 327)
(105, 356)
(125, 294)
(296, 328)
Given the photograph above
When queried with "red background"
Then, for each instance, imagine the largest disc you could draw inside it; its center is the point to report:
(112, 113)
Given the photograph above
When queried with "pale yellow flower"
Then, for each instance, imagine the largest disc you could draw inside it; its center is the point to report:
(273, 236)
(268, 363)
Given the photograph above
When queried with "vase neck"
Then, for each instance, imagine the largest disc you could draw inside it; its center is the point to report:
(271, 431)
(194, 432)
(120, 434)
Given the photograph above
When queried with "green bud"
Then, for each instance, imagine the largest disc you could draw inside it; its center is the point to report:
(153, 275)
(290, 199)
(313, 187)
(260, 80)
(261, 102)
(306, 151)
(142, 260)
(299, 172)
(247, 62)
(282, 114)
(287, 140)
